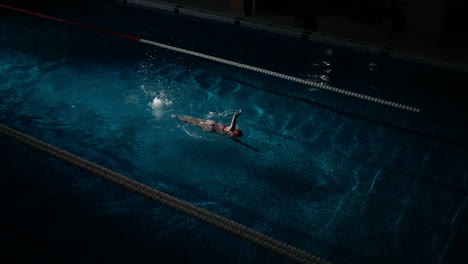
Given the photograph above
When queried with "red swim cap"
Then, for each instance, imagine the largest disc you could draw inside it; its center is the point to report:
(238, 133)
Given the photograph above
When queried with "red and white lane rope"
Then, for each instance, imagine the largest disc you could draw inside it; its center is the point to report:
(228, 62)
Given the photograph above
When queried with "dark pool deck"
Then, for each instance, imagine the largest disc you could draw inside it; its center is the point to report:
(449, 49)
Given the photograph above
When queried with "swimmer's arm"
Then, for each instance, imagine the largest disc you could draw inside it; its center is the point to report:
(245, 144)
(232, 127)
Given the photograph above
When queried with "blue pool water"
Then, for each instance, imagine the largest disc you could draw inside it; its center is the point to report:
(344, 179)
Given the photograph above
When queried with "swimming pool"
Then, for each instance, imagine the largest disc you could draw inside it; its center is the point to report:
(348, 180)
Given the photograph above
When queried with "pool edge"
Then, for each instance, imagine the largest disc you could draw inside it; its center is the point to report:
(323, 38)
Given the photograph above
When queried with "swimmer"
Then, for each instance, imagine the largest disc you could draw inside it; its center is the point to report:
(213, 126)
(230, 131)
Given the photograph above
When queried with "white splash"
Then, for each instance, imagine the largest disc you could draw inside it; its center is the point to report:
(147, 90)
(159, 105)
(217, 115)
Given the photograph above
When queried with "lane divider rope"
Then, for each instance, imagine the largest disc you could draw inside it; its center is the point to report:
(181, 206)
(284, 76)
(228, 62)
